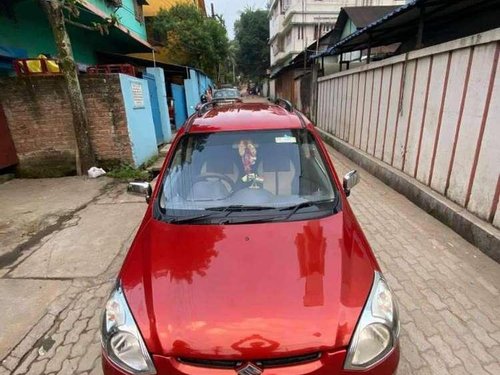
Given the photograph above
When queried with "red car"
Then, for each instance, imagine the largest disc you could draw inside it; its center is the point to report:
(249, 259)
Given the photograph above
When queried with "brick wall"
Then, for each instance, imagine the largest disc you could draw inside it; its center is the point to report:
(39, 118)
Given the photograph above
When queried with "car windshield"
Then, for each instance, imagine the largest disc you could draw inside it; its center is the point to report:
(275, 174)
(226, 93)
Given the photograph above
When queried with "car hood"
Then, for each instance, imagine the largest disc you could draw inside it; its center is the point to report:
(248, 290)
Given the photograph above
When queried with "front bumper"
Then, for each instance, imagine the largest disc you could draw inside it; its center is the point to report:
(327, 364)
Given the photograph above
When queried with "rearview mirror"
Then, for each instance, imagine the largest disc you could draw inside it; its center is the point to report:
(140, 188)
(351, 179)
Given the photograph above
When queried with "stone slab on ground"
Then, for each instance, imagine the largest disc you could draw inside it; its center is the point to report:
(156, 166)
(87, 248)
(52, 325)
(28, 206)
(23, 303)
(164, 149)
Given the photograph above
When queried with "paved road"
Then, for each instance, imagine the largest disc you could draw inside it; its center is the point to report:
(447, 289)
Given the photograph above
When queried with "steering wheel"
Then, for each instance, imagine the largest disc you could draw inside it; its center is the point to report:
(218, 176)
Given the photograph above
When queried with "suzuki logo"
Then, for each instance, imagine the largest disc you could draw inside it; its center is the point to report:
(249, 369)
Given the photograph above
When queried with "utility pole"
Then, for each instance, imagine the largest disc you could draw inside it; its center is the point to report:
(304, 43)
(234, 70)
(85, 157)
(213, 9)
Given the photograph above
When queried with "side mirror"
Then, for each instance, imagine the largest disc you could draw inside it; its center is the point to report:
(351, 179)
(140, 188)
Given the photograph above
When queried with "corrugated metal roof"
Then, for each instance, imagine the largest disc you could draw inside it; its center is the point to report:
(401, 25)
(363, 16)
(360, 16)
(402, 9)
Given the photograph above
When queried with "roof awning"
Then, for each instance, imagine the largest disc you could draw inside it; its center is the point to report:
(145, 60)
(402, 23)
(118, 27)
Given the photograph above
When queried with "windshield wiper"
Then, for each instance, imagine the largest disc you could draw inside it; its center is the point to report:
(294, 209)
(297, 207)
(250, 220)
(240, 207)
(188, 219)
(217, 212)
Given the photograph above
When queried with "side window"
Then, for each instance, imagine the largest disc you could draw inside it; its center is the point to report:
(139, 13)
(315, 178)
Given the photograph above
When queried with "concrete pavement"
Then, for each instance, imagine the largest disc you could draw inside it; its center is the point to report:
(448, 290)
(55, 277)
(31, 206)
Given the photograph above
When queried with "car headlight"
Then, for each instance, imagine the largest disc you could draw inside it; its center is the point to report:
(121, 339)
(377, 331)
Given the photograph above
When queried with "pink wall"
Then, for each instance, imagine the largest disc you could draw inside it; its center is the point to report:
(433, 114)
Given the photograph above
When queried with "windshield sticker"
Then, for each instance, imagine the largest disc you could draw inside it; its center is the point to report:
(285, 139)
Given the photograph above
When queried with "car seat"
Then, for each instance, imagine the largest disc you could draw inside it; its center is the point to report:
(278, 166)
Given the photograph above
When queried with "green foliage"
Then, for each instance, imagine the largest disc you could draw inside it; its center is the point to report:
(72, 14)
(190, 38)
(251, 34)
(228, 70)
(128, 173)
(150, 161)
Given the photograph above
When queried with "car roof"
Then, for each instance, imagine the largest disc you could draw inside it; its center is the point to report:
(245, 116)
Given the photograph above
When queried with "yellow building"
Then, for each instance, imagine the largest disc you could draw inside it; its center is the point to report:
(155, 5)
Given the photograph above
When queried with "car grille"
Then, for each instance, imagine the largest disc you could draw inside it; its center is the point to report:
(264, 363)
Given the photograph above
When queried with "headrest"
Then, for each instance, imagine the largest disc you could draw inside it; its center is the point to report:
(280, 162)
(220, 165)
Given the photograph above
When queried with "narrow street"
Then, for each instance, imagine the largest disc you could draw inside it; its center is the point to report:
(250, 261)
(447, 289)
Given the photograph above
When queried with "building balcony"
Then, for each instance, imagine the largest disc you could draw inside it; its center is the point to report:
(276, 25)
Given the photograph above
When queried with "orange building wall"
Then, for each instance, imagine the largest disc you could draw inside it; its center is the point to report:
(155, 5)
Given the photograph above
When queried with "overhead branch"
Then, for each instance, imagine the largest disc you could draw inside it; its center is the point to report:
(80, 25)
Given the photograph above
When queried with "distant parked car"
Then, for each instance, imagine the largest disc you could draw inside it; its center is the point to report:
(249, 259)
(229, 94)
(227, 86)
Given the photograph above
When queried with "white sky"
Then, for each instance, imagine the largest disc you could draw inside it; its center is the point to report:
(230, 10)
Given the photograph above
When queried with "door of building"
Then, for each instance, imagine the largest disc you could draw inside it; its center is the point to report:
(155, 108)
(180, 109)
(8, 155)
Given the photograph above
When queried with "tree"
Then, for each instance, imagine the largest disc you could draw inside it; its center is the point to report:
(54, 9)
(251, 34)
(189, 38)
(228, 70)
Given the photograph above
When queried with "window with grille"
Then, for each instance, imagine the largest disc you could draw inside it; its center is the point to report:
(139, 14)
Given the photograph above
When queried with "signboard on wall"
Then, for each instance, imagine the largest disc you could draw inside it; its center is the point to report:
(137, 94)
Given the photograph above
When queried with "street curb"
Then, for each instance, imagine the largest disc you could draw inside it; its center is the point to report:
(479, 233)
